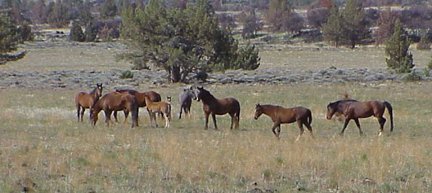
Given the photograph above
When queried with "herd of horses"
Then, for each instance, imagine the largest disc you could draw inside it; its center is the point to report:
(129, 101)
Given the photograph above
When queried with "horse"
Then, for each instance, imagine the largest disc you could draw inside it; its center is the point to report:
(281, 115)
(214, 106)
(158, 107)
(115, 101)
(85, 100)
(352, 109)
(185, 100)
(154, 96)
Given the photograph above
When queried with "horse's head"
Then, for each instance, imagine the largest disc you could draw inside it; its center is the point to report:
(199, 93)
(258, 111)
(169, 99)
(331, 110)
(99, 89)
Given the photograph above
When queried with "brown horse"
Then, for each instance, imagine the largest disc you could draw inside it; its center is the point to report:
(85, 100)
(158, 107)
(280, 115)
(115, 101)
(214, 106)
(352, 109)
(154, 96)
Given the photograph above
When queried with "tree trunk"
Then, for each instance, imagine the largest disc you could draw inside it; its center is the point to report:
(175, 74)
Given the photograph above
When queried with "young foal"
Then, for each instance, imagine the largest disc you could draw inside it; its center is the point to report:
(214, 106)
(280, 115)
(85, 100)
(185, 100)
(158, 107)
(115, 101)
(353, 109)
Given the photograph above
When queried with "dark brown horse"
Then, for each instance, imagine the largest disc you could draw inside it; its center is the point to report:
(352, 109)
(85, 100)
(115, 101)
(280, 115)
(214, 106)
(140, 97)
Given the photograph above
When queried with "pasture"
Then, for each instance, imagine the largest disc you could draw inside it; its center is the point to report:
(43, 147)
(41, 141)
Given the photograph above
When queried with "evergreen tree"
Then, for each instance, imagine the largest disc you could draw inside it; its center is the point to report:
(354, 24)
(396, 50)
(8, 34)
(333, 29)
(76, 33)
(178, 40)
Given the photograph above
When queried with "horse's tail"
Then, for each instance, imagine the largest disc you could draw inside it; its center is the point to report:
(238, 116)
(309, 117)
(390, 110)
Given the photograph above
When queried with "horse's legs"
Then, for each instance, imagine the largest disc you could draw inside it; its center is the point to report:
(345, 125)
(78, 112)
(115, 116)
(107, 116)
(232, 120)
(276, 125)
(381, 121)
(126, 114)
(214, 120)
(309, 127)
(82, 113)
(357, 122)
(206, 120)
(181, 109)
(167, 123)
(300, 125)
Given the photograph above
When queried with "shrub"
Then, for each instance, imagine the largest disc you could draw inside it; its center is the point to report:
(424, 43)
(126, 74)
(76, 33)
(399, 59)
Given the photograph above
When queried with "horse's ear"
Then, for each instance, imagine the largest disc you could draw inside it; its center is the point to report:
(257, 105)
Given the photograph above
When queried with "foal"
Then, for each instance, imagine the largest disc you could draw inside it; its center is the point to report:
(280, 115)
(158, 107)
(85, 100)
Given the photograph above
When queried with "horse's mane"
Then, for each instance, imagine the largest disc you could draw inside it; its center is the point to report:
(341, 101)
(207, 94)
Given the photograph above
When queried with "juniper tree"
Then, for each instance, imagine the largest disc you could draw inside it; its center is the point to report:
(178, 40)
(333, 29)
(8, 34)
(396, 50)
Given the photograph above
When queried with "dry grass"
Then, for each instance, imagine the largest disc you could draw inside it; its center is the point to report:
(42, 142)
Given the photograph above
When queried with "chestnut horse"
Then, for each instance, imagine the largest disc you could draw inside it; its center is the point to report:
(214, 106)
(352, 109)
(280, 115)
(85, 100)
(154, 96)
(115, 101)
(158, 107)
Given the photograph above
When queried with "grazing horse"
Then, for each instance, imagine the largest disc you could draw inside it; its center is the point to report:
(352, 109)
(280, 115)
(185, 100)
(154, 96)
(85, 100)
(115, 101)
(158, 107)
(214, 106)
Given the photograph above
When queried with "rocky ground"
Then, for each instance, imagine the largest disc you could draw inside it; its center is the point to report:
(111, 78)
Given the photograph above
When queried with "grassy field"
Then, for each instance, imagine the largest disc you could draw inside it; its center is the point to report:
(43, 148)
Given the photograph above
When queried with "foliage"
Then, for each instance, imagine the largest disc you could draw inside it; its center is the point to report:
(76, 33)
(277, 14)
(348, 26)
(385, 24)
(126, 74)
(179, 40)
(399, 59)
(333, 29)
(56, 14)
(91, 32)
(248, 58)
(108, 9)
(318, 16)
(424, 43)
(251, 23)
(24, 33)
(8, 34)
